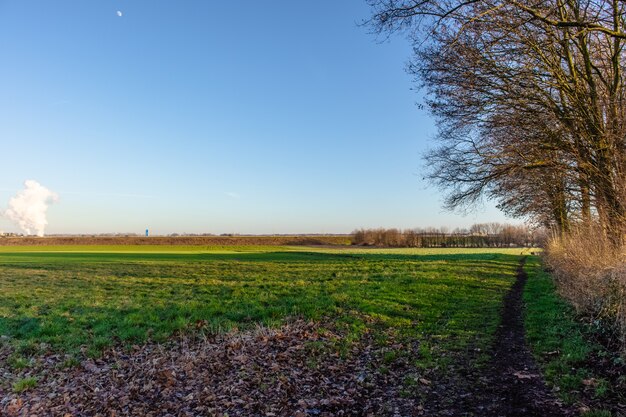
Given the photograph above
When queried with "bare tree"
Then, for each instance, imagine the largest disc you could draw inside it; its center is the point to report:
(530, 102)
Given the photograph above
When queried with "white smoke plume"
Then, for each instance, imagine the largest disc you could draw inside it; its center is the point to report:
(28, 208)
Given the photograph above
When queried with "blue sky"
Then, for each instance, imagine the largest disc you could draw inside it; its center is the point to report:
(206, 116)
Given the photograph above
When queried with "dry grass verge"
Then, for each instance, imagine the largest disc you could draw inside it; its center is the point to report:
(591, 274)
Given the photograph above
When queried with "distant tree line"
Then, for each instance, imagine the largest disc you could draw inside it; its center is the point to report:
(481, 235)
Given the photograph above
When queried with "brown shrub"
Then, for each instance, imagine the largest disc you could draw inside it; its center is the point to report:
(591, 274)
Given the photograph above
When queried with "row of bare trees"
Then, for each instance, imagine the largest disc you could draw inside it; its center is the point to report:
(529, 97)
(481, 235)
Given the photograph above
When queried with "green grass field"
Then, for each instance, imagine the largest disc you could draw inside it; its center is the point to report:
(82, 299)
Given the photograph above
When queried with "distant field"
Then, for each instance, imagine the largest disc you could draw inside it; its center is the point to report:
(213, 249)
(86, 298)
(176, 241)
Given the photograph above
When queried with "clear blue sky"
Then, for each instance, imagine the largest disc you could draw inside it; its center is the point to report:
(213, 116)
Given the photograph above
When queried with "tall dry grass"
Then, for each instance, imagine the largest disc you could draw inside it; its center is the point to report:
(591, 273)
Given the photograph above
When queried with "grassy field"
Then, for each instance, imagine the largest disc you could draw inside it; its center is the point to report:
(83, 299)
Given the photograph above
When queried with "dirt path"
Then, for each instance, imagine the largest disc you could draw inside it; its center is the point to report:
(516, 386)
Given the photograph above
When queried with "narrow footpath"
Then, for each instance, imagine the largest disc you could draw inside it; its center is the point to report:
(515, 383)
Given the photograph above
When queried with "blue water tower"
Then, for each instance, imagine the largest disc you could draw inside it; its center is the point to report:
(146, 232)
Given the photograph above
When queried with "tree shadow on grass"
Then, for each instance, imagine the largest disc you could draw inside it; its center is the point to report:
(39, 258)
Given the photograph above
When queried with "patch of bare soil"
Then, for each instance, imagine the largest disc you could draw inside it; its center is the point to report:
(610, 367)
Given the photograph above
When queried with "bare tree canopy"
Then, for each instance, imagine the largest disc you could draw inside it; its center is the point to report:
(529, 99)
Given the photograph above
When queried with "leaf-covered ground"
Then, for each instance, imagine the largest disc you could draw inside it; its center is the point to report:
(290, 371)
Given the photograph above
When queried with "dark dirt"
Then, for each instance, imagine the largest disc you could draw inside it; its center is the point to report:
(608, 365)
(292, 371)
